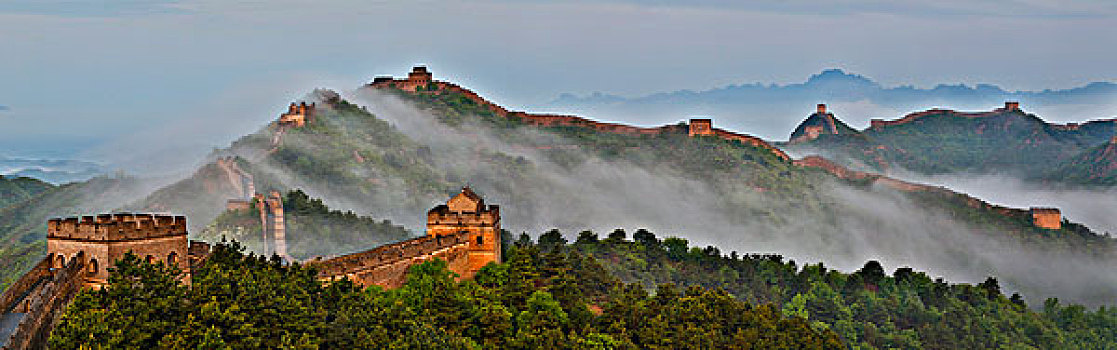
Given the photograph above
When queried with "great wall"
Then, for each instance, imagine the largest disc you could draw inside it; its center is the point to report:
(1010, 106)
(465, 232)
(420, 80)
(1046, 218)
(879, 123)
(79, 252)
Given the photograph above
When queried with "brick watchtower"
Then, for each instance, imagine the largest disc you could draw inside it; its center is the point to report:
(1048, 218)
(419, 76)
(466, 213)
(106, 238)
(700, 127)
(297, 115)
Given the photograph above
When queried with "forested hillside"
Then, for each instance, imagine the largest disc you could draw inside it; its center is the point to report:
(14, 189)
(869, 308)
(594, 293)
(421, 147)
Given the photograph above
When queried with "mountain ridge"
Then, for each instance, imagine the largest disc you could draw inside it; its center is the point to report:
(763, 109)
(939, 141)
(837, 77)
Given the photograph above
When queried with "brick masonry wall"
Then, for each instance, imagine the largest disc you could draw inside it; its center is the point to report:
(560, 120)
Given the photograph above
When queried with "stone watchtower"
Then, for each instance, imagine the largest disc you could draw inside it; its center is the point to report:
(701, 127)
(420, 76)
(297, 115)
(103, 239)
(1048, 218)
(467, 214)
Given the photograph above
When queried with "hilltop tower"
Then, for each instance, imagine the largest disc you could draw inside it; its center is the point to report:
(297, 115)
(702, 127)
(1048, 218)
(419, 76)
(1012, 106)
(819, 123)
(103, 239)
(466, 213)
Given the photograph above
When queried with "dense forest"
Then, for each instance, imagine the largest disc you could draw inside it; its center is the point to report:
(868, 308)
(593, 293)
(534, 300)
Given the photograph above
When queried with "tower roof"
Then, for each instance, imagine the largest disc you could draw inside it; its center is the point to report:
(466, 202)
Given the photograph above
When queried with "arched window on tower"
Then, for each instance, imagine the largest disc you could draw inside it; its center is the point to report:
(480, 239)
(59, 261)
(172, 259)
(92, 268)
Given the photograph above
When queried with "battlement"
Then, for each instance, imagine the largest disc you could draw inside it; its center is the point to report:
(116, 227)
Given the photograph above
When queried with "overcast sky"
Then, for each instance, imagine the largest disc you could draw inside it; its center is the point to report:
(192, 75)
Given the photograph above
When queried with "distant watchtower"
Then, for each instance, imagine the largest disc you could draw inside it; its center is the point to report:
(821, 108)
(1048, 218)
(466, 213)
(106, 238)
(701, 127)
(1012, 106)
(419, 76)
(297, 115)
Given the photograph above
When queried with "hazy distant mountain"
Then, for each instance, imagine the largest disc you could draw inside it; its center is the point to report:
(769, 110)
(1004, 141)
(57, 171)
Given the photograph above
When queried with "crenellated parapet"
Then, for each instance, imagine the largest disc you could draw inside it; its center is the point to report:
(116, 227)
(101, 240)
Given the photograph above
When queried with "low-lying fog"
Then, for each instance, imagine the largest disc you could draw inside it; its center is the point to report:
(864, 224)
(1097, 208)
